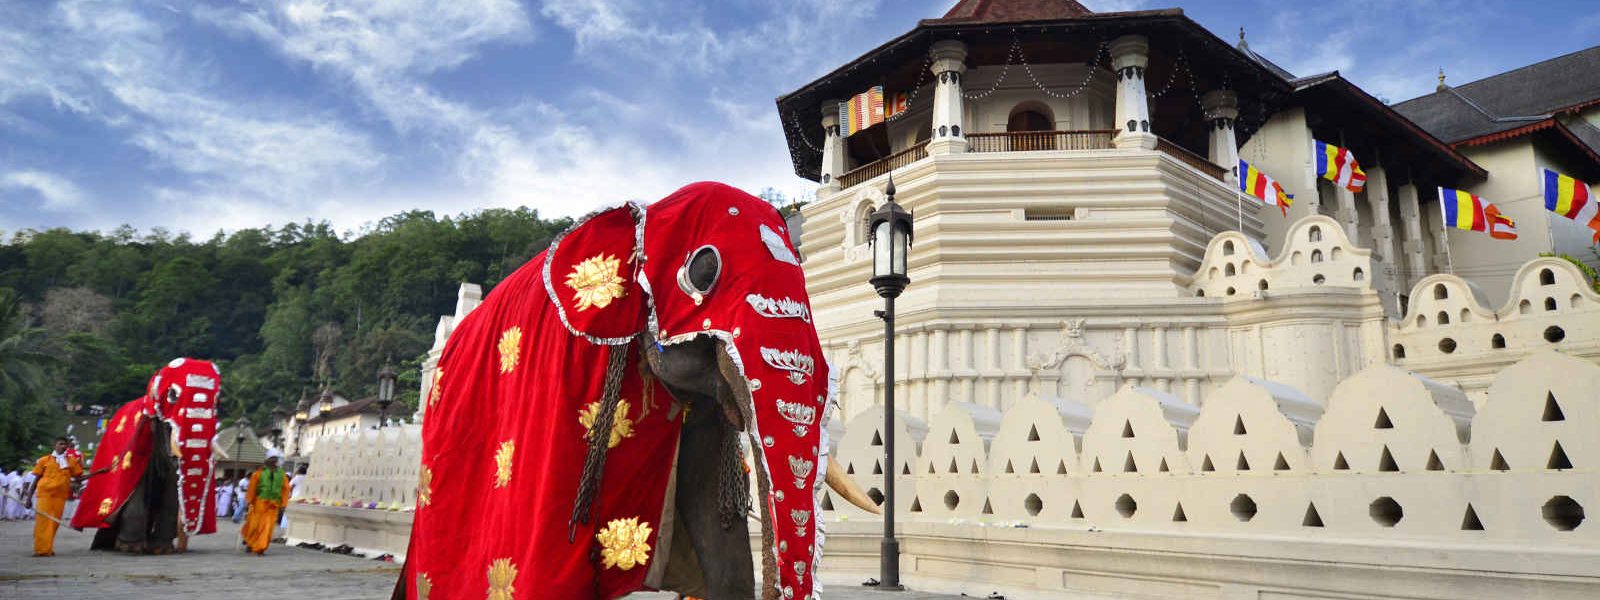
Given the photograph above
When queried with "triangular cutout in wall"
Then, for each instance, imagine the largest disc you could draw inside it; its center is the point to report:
(1434, 464)
(827, 501)
(1206, 466)
(1552, 409)
(988, 510)
(1242, 464)
(877, 467)
(1163, 468)
(1008, 467)
(930, 467)
(850, 469)
(1383, 420)
(954, 439)
(1033, 433)
(974, 466)
(1034, 466)
(1096, 465)
(1061, 467)
(1281, 464)
(1178, 516)
(1127, 429)
(1312, 519)
(953, 467)
(877, 440)
(1558, 458)
(1238, 425)
(1498, 462)
(1339, 464)
(1386, 462)
(1470, 521)
(1128, 466)
(905, 468)
(1077, 510)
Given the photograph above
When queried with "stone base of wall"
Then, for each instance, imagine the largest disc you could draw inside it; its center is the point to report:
(370, 532)
(1077, 564)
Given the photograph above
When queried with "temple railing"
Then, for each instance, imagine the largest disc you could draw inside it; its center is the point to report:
(884, 165)
(1183, 155)
(1023, 141)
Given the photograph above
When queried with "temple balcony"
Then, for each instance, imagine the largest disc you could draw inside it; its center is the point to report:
(1027, 141)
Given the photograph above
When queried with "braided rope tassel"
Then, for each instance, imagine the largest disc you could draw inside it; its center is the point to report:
(594, 462)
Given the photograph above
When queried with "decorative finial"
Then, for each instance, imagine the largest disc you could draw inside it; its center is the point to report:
(1441, 79)
(888, 191)
(1241, 34)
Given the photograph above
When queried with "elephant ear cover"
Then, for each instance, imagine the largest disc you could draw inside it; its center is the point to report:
(506, 433)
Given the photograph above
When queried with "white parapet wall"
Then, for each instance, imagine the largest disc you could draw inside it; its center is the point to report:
(361, 490)
(1399, 487)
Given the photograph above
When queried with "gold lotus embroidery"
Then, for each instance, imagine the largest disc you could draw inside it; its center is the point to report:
(433, 390)
(425, 487)
(105, 507)
(510, 347)
(621, 425)
(502, 574)
(120, 422)
(624, 543)
(127, 459)
(502, 463)
(595, 282)
(424, 586)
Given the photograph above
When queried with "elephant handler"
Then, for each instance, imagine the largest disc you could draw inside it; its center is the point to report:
(55, 473)
(266, 498)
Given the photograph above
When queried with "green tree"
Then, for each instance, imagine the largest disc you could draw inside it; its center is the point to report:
(26, 358)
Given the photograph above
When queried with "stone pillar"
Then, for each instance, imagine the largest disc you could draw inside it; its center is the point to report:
(833, 154)
(1130, 349)
(1019, 360)
(949, 66)
(1348, 217)
(1411, 245)
(994, 372)
(1130, 54)
(1384, 280)
(969, 365)
(940, 392)
(1221, 109)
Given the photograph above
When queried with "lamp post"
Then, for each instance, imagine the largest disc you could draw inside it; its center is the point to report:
(302, 413)
(325, 406)
(240, 427)
(386, 377)
(890, 238)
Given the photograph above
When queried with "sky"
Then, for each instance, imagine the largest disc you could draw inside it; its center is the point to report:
(208, 116)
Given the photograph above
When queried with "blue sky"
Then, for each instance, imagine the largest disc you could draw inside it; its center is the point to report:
(221, 115)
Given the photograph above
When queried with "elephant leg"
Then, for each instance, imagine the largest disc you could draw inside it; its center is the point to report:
(723, 553)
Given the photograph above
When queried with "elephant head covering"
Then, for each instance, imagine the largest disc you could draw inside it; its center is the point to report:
(548, 449)
(183, 394)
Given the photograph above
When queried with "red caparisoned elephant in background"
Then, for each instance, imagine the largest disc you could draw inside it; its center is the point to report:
(583, 434)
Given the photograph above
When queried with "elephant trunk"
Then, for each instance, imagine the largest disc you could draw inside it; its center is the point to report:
(846, 487)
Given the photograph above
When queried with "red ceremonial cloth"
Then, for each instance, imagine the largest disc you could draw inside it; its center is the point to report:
(519, 379)
(184, 395)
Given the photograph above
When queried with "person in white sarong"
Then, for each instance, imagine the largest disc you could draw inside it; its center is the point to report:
(27, 484)
(10, 484)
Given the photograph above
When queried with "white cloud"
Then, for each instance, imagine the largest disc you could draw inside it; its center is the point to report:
(57, 192)
(1114, 5)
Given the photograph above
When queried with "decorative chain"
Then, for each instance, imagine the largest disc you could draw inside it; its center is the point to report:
(733, 487)
(922, 77)
(599, 436)
(1082, 85)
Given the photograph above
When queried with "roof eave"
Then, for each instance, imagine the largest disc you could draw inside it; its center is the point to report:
(1445, 150)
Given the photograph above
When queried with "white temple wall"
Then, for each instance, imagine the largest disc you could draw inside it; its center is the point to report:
(1092, 108)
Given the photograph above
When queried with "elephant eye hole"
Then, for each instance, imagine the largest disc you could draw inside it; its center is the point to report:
(700, 271)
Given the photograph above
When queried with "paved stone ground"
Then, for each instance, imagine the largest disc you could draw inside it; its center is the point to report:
(217, 567)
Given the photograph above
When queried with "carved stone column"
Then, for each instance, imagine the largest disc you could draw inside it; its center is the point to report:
(949, 67)
(833, 155)
(1412, 246)
(1221, 109)
(1130, 54)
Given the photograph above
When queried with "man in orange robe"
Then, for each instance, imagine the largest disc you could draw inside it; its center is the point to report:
(268, 495)
(55, 473)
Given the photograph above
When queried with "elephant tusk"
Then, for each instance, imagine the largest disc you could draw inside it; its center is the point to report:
(847, 489)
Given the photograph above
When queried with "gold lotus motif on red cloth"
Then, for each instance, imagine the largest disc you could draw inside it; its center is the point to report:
(595, 282)
(624, 543)
(424, 586)
(425, 487)
(621, 425)
(502, 463)
(510, 347)
(502, 576)
(433, 389)
(105, 507)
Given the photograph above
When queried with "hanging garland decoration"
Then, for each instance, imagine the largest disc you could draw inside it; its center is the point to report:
(911, 99)
(1004, 70)
(1099, 54)
(800, 132)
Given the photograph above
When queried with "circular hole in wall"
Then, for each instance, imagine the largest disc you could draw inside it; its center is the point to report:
(1318, 279)
(1447, 345)
(1033, 505)
(876, 496)
(1554, 334)
(951, 500)
(1242, 507)
(1126, 506)
(1385, 511)
(1563, 513)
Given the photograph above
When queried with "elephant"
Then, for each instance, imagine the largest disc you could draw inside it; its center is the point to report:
(585, 431)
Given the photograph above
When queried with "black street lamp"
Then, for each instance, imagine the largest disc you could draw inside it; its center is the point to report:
(302, 413)
(890, 238)
(386, 377)
(326, 406)
(240, 427)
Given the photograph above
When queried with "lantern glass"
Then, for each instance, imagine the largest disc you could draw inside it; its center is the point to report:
(900, 244)
(882, 249)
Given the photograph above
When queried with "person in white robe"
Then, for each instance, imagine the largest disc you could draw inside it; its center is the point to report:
(10, 484)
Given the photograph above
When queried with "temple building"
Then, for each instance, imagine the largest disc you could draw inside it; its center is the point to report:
(1079, 227)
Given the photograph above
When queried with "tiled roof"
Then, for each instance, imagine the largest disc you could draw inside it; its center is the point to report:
(1006, 11)
(1509, 101)
(363, 406)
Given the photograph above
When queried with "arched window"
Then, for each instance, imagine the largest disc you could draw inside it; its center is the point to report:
(1316, 256)
(1465, 316)
(863, 221)
(1315, 235)
(1524, 307)
(1227, 248)
(1229, 270)
(1549, 304)
(1444, 318)
(1337, 253)
(1297, 258)
(1399, 351)
(1547, 277)
(1030, 124)
(1358, 274)
(1497, 342)
(1440, 293)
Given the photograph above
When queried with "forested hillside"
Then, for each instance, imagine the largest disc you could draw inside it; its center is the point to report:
(94, 314)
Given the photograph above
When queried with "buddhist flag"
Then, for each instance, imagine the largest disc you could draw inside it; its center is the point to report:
(862, 111)
(1339, 166)
(899, 104)
(1501, 227)
(1266, 189)
(1571, 198)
